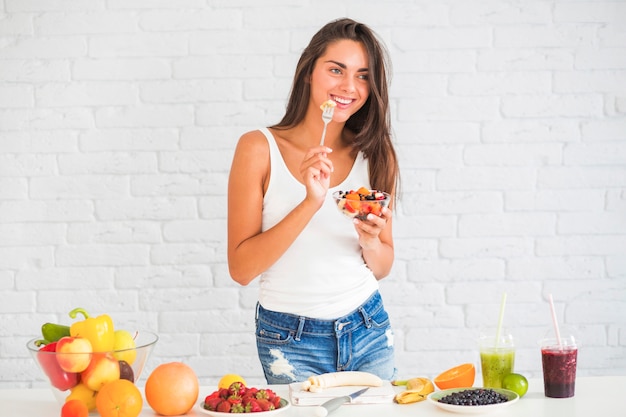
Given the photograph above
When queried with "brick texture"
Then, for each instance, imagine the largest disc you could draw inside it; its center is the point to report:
(118, 120)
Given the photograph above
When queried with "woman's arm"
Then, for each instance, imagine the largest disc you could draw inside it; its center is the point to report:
(376, 240)
(251, 251)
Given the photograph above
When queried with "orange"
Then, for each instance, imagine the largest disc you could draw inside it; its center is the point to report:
(172, 389)
(119, 398)
(74, 408)
(229, 379)
(461, 376)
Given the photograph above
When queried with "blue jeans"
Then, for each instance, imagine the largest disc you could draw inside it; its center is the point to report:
(291, 348)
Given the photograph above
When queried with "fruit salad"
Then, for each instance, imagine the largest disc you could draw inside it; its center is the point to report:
(328, 103)
(358, 204)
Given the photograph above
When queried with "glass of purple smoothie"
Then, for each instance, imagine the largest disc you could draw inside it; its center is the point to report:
(559, 366)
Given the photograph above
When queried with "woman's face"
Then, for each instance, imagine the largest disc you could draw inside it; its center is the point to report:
(341, 75)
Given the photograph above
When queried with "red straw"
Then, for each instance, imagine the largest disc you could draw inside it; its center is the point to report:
(555, 323)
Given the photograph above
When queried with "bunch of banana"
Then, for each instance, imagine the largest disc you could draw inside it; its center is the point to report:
(417, 389)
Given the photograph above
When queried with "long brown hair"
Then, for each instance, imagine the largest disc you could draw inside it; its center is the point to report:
(371, 124)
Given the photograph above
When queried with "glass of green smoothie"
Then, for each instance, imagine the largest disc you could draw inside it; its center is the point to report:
(497, 358)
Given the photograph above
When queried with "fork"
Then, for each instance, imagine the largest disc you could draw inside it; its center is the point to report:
(327, 116)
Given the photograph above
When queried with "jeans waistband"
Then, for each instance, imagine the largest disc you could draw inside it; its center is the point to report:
(302, 324)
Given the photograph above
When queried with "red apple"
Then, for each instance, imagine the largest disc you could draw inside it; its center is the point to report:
(73, 353)
(103, 368)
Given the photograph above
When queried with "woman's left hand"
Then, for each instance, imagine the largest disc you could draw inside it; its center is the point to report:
(369, 230)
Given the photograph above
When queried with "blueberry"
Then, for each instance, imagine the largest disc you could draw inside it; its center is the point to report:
(474, 397)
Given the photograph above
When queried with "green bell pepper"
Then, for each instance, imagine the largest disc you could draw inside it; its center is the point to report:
(53, 332)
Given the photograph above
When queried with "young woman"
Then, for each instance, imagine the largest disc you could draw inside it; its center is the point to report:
(319, 308)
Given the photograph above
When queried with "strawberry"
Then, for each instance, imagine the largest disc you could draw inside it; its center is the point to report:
(265, 404)
(270, 394)
(234, 399)
(262, 394)
(210, 403)
(237, 388)
(223, 407)
(253, 406)
(214, 394)
(275, 400)
(223, 393)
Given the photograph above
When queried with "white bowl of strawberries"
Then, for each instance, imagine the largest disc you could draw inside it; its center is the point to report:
(238, 398)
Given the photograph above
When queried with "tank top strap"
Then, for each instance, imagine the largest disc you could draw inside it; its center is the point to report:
(274, 151)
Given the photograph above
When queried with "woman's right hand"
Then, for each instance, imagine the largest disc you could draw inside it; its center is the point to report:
(315, 171)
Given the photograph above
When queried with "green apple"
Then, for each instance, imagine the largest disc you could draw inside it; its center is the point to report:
(103, 368)
(124, 347)
(73, 353)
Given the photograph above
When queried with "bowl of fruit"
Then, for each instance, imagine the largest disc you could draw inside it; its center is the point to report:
(81, 358)
(359, 203)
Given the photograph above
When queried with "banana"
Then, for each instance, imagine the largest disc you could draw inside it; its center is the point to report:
(337, 379)
(420, 384)
(417, 389)
(397, 383)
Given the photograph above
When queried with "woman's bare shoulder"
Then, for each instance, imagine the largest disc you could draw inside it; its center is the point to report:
(253, 138)
(254, 142)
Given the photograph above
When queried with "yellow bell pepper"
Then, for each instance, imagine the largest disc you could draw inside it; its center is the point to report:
(99, 330)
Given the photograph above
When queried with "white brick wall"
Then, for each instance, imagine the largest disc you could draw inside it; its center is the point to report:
(118, 120)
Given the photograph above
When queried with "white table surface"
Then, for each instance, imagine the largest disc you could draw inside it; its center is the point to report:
(595, 397)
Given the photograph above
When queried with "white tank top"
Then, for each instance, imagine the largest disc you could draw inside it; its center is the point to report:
(322, 274)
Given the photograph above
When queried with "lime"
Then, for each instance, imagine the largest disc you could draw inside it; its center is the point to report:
(516, 383)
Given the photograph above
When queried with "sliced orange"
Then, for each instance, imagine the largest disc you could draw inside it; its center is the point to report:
(461, 376)
(363, 191)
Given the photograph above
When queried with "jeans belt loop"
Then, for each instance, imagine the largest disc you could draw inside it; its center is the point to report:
(300, 328)
(366, 318)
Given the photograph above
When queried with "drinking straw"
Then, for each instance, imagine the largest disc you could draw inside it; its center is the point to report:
(499, 328)
(554, 322)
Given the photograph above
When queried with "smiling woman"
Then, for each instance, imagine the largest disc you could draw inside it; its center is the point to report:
(340, 76)
(319, 308)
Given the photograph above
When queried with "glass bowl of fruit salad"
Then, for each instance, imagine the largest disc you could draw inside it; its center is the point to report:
(75, 370)
(361, 202)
